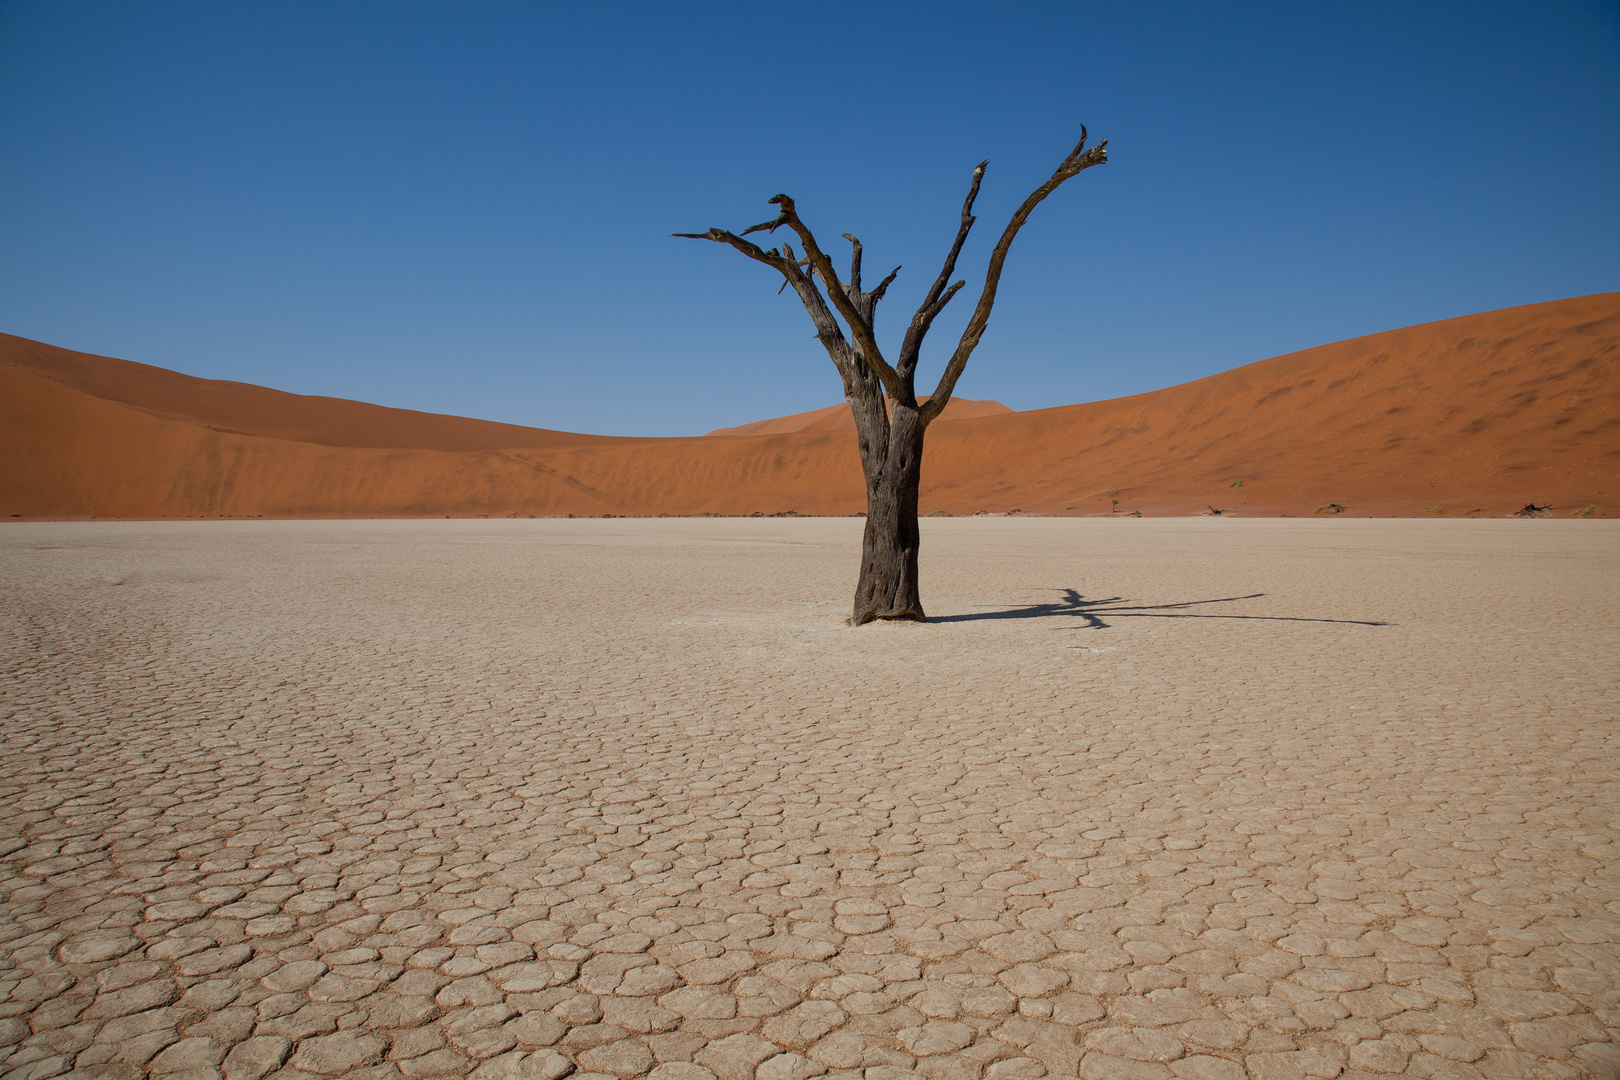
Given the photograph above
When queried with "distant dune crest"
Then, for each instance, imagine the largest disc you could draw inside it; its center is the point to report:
(1475, 415)
(839, 418)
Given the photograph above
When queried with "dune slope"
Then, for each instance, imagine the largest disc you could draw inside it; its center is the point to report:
(839, 418)
(1479, 414)
(245, 409)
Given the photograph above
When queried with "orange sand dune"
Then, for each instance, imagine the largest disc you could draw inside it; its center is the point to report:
(839, 418)
(245, 409)
(1477, 414)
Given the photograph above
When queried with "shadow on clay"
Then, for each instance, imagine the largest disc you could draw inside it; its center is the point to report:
(1092, 612)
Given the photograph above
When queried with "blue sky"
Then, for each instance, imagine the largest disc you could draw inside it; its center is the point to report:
(463, 207)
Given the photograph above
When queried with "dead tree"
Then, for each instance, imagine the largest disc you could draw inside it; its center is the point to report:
(891, 432)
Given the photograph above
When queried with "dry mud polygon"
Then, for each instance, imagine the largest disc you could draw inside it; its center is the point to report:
(1150, 799)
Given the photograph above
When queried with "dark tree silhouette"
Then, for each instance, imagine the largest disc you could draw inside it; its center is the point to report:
(891, 431)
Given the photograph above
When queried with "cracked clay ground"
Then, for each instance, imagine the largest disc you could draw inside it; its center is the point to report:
(1185, 798)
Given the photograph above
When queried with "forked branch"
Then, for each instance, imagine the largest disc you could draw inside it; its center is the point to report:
(859, 322)
(961, 235)
(864, 302)
(938, 296)
(1078, 161)
(857, 308)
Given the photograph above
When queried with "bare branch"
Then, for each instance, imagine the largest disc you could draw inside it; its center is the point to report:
(827, 330)
(932, 305)
(883, 286)
(854, 261)
(1079, 159)
(860, 326)
(961, 234)
(747, 247)
(865, 302)
(766, 226)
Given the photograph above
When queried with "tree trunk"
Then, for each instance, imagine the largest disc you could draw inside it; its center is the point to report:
(888, 587)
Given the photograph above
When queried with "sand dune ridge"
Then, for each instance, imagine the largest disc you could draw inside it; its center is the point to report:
(1475, 415)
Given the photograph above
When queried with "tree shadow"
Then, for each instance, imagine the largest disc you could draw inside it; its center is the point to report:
(1092, 612)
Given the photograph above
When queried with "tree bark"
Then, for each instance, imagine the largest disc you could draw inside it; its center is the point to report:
(888, 587)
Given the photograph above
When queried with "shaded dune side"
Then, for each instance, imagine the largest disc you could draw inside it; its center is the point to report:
(69, 454)
(1483, 412)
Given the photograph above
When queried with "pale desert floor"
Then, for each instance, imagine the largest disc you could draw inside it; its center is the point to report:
(363, 799)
